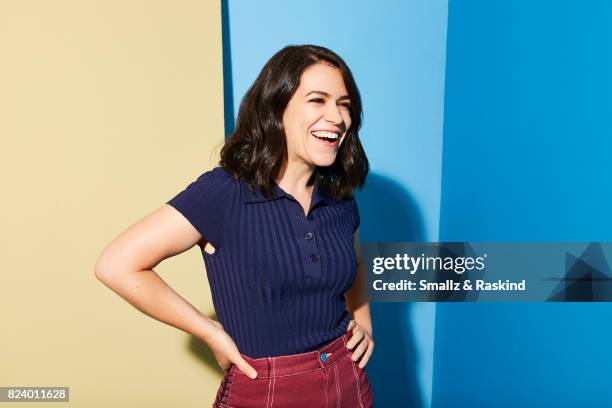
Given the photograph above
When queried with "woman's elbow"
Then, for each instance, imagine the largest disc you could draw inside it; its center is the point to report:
(105, 269)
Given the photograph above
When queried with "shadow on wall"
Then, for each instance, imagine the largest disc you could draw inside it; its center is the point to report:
(228, 83)
(389, 213)
(204, 354)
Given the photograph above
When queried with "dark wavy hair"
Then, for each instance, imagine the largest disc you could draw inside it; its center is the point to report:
(257, 150)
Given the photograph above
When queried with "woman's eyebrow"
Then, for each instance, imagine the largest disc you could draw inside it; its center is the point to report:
(326, 94)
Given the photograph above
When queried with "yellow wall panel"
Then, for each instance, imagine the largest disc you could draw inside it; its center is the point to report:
(107, 109)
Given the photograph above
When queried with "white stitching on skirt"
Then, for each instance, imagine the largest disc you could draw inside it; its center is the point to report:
(356, 379)
(325, 386)
(273, 381)
(338, 386)
(269, 383)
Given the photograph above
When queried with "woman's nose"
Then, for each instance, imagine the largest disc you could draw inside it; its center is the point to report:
(333, 114)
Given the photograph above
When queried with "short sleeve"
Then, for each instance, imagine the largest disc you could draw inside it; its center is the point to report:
(204, 201)
(356, 219)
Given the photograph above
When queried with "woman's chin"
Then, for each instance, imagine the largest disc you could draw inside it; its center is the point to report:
(324, 160)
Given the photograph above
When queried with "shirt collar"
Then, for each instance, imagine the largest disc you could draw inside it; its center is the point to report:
(256, 196)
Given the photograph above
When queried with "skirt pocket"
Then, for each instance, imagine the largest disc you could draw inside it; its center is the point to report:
(355, 386)
(246, 392)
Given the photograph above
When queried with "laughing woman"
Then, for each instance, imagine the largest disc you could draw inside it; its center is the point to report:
(277, 225)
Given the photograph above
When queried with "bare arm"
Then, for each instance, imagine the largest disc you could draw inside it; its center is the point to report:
(126, 266)
(362, 342)
(357, 296)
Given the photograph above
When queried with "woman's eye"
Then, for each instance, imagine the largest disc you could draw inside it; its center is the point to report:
(319, 100)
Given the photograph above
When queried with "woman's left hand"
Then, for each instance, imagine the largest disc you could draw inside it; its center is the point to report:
(362, 343)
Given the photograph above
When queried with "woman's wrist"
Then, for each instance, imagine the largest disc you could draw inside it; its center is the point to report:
(205, 327)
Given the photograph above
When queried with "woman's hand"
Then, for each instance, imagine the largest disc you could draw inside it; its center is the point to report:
(364, 342)
(226, 352)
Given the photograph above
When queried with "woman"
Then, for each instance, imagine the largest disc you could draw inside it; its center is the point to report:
(278, 228)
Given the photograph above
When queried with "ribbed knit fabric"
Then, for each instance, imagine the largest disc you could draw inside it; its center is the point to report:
(278, 275)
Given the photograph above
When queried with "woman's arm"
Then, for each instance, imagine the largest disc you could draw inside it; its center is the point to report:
(126, 266)
(357, 296)
(358, 306)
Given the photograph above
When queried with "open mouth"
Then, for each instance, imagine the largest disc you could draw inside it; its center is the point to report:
(328, 138)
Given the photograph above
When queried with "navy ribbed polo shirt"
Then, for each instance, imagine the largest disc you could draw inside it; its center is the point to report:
(278, 276)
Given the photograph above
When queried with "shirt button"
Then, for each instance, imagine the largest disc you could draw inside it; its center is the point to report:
(299, 218)
(314, 257)
(308, 235)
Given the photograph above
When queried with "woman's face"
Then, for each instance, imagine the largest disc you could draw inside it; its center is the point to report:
(317, 117)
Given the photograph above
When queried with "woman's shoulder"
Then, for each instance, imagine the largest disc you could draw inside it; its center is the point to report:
(204, 202)
(348, 201)
(213, 185)
(351, 204)
(218, 174)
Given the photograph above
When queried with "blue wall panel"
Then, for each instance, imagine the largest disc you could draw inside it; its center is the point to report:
(527, 144)
(396, 50)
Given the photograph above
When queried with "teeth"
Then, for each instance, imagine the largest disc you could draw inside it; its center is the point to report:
(326, 135)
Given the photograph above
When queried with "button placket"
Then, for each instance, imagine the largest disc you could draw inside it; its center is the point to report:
(309, 246)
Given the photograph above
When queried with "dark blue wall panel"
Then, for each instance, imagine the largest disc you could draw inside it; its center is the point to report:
(526, 157)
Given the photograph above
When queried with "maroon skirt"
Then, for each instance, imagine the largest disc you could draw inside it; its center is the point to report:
(324, 378)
